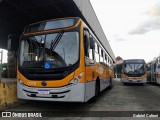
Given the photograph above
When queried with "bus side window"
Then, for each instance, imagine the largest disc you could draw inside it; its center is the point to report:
(92, 49)
(105, 59)
(92, 43)
(98, 49)
(158, 66)
(96, 53)
(154, 66)
(108, 61)
(148, 67)
(101, 55)
(86, 42)
(101, 52)
(111, 62)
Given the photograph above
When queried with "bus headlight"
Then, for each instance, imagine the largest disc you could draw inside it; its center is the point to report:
(20, 80)
(124, 78)
(76, 79)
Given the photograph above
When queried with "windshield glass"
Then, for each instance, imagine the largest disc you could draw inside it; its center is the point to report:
(49, 51)
(134, 69)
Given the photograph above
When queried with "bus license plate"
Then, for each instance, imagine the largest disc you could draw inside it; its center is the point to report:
(43, 92)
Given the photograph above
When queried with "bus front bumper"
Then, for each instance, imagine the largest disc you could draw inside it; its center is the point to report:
(70, 93)
(129, 80)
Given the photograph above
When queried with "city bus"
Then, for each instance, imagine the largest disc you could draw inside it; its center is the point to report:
(134, 71)
(62, 60)
(153, 71)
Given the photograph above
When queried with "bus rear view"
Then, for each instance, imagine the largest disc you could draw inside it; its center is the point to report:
(134, 71)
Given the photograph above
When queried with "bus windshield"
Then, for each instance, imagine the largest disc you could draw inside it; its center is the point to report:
(49, 51)
(134, 69)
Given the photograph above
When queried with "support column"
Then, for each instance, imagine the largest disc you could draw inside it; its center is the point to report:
(12, 64)
(1, 58)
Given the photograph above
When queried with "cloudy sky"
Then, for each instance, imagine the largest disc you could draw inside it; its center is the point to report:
(131, 26)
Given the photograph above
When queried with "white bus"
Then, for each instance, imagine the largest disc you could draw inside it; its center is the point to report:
(153, 71)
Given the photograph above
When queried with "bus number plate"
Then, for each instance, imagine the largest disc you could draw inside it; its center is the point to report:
(43, 92)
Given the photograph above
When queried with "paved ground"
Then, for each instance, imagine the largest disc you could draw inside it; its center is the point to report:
(119, 98)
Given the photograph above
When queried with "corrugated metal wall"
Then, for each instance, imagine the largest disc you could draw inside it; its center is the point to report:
(90, 16)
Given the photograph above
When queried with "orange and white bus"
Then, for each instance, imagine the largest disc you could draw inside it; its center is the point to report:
(62, 60)
(134, 71)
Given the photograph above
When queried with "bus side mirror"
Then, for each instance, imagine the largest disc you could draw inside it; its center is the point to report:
(12, 43)
(92, 43)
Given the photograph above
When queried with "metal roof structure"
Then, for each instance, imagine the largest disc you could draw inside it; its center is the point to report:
(16, 14)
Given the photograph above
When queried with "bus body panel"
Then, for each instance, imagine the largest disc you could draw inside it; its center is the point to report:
(81, 92)
(50, 83)
(96, 71)
(134, 80)
(72, 93)
(89, 90)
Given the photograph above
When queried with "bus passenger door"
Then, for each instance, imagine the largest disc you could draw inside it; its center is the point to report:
(158, 72)
(152, 72)
(153, 68)
(149, 72)
(89, 67)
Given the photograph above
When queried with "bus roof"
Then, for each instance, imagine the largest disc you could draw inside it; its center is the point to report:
(134, 61)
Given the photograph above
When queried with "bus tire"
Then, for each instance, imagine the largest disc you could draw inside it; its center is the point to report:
(110, 84)
(97, 91)
(142, 84)
(124, 83)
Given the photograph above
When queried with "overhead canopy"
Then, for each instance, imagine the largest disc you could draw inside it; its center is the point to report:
(16, 14)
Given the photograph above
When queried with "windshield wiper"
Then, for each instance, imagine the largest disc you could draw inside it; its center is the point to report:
(137, 67)
(56, 40)
(34, 43)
